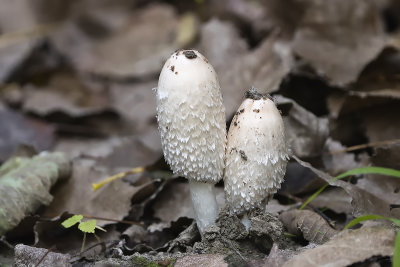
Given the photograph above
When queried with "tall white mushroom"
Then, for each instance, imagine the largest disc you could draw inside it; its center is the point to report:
(191, 121)
(256, 155)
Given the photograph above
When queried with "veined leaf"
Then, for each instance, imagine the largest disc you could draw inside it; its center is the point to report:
(87, 226)
(71, 221)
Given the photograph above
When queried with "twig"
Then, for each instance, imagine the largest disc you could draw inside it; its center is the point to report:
(44, 256)
(363, 146)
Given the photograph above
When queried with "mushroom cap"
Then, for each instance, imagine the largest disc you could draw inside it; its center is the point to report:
(256, 154)
(191, 117)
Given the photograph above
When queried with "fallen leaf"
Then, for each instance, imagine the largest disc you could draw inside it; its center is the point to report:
(68, 94)
(348, 248)
(306, 133)
(206, 260)
(16, 47)
(308, 224)
(276, 258)
(341, 162)
(350, 25)
(25, 184)
(136, 103)
(136, 50)
(299, 180)
(76, 195)
(335, 199)
(380, 77)
(238, 68)
(362, 201)
(17, 129)
(26, 256)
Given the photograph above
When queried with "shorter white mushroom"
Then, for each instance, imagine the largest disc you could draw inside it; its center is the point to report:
(256, 155)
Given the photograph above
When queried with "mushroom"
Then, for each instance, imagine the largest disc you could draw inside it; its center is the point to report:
(256, 155)
(191, 122)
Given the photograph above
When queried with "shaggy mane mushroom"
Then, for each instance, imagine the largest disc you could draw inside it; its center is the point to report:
(191, 122)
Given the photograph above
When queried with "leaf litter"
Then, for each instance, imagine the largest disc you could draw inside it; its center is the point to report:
(80, 79)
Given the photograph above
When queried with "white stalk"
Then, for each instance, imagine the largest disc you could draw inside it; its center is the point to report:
(246, 221)
(204, 203)
(191, 121)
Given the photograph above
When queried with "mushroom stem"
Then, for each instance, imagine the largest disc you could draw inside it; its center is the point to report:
(246, 221)
(204, 203)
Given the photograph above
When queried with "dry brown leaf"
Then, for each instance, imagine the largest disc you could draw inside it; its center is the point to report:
(137, 50)
(335, 199)
(239, 69)
(309, 224)
(362, 201)
(206, 260)
(27, 256)
(387, 188)
(341, 162)
(68, 94)
(112, 201)
(136, 103)
(338, 38)
(306, 133)
(276, 258)
(16, 16)
(348, 248)
(380, 78)
(16, 129)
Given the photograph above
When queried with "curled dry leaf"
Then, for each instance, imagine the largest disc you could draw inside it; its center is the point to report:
(351, 24)
(337, 163)
(363, 202)
(20, 35)
(309, 224)
(136, 50)
(27, 182)
(27, 256)
(387, 188)
(17, 129)
(348, 248)
(305, 132)
(68, 94)
(238, 68)
(379, 78)
(335, 199)
(135, 103)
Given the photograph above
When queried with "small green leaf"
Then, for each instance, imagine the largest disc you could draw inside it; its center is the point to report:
(396, 253)
(71, 221)
(88, 226)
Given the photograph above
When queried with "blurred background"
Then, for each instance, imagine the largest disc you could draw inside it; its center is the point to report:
(78, 77)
